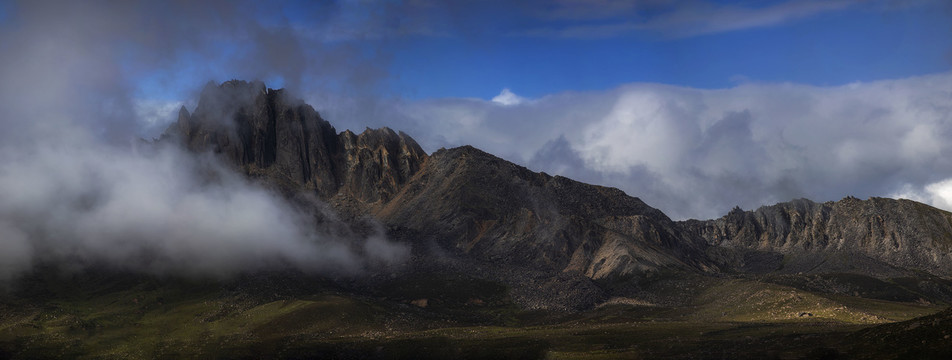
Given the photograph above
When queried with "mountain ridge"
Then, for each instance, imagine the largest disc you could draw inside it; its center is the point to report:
(478, 206)
(900, 233)
(503, 262)
(557, 223)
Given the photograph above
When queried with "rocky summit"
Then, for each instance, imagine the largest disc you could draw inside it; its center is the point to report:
(273, 136)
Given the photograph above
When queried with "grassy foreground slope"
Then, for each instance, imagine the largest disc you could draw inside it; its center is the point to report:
(95, 315)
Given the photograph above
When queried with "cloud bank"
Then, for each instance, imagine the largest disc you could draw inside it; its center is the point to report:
(696, 153)
(159, 210)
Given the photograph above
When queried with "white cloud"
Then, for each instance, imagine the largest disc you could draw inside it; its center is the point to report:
(941, 193)
(697, 153)
(645, 127)
(508, 98)
(938, 194)
(160, 210)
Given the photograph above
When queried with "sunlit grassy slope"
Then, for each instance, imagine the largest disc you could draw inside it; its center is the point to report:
(107, 316)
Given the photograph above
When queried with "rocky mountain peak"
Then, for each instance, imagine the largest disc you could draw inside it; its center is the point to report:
(268, 134)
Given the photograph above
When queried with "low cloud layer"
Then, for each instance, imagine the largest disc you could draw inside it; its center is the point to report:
(695, 153)
(160, 210)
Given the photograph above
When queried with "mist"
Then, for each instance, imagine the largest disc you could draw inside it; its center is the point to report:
(154, 208)
(160, 211)
(79, 189)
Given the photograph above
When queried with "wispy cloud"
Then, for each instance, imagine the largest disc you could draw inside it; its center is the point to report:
(685, 19)
(708, 19)
(593, 9)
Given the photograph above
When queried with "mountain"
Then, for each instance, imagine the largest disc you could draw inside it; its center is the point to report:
(488, 208)
(464, 200)
(505, 262)
(270, 135)
(476, 206)
(878, 237)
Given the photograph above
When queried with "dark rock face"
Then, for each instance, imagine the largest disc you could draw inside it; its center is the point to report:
(484, 207)
(377, 163)
(849, 235)
(267, 134)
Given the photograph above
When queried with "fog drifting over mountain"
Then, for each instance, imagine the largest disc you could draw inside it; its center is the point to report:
(79, 189)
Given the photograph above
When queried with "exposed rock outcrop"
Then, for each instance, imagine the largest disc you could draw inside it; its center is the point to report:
(268, 134)
(485, 207)
(849, 235)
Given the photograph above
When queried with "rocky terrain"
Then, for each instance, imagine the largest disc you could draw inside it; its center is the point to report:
(459, 202)
(473, 205)
(270, 135)
(484, 207)
(879, 237)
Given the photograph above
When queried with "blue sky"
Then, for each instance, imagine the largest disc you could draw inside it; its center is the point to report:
(695, 106)
(860, 42)
(431, 49)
